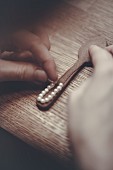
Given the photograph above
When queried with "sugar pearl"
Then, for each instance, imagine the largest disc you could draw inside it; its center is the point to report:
(39, 99)
(46, 90)
(59, 87)
(46, 99)
(52, 93)
(42, 101)
(43, 92)
(56, 90)
(50, 97)
(61, 84)
(40, 95)
(48, 87)
(52, 85)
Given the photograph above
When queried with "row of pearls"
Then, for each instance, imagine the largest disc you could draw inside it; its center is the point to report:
(41, 98)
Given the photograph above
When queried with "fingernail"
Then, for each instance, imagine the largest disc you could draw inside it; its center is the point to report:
(40, 75)
(54, 79)
(51, 81)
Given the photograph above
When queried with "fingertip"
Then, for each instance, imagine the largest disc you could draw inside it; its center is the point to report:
(53, 76)
(50, 68)
(99, 55)
(93, 53)
(93, 49)
(40, 75)
(53, 73)
(102, 61)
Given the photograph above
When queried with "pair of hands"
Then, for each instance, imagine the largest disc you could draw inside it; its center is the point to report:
(28, 57)
(90, 107)
(91, 114)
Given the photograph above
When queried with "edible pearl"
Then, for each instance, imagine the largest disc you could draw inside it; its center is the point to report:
(61, 84)
(52, 94)
(39, 99)
(46, 90)
(50, 97)
(40, 95)
(48, 87)
(56, 90)
(59, 87)
(46, 99)
(52, 85)
(43, 92)
(42, 101)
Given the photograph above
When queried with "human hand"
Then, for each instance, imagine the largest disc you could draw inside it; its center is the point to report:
(91, 114)
(29, 59)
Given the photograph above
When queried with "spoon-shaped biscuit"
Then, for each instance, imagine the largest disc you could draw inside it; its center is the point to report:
(50, 94)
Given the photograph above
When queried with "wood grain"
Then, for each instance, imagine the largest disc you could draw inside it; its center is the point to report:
(70, 24)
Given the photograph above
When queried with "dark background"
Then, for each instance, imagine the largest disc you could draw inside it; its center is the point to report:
(17, 155)
(19, 13)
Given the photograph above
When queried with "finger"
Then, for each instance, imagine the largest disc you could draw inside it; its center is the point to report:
(77, 94)
(31, 42)
(20, 71)
(25, 56)
(6, 55)
(17, 56)
(74, 109)
(40, 32)
(110, 49)
(101, 59)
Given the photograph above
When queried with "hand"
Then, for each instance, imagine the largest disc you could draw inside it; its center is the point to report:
(29, 59)
(91, 114)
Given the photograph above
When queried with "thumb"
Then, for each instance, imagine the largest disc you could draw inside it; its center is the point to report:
(20, 71)
(101, 58)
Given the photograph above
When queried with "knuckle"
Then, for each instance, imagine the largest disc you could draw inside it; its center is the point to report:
(35, 43)
(21, 72)
(44, 37)
(48, 61)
